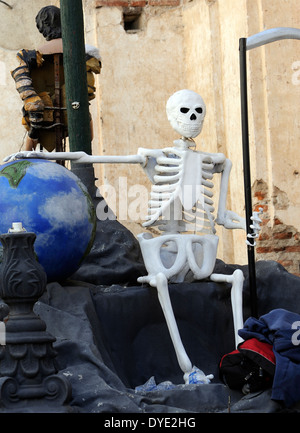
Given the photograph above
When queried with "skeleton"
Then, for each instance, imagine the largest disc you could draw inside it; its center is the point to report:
(181, 202)
(181, 207)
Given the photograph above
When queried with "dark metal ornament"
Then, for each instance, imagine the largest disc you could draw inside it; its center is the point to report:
(28, 373)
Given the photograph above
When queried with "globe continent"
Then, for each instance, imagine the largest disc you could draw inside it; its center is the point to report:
(53, 203)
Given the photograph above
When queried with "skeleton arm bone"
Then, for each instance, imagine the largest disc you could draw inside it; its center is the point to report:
(227, 218)
(230, 219)
(78, 157)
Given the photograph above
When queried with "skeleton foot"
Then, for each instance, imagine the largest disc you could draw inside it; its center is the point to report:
(236, 279)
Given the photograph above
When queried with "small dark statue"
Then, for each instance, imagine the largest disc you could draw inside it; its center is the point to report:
(40, 81)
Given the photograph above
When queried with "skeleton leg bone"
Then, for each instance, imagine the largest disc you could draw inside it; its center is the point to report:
(236, 279)
(160, 281)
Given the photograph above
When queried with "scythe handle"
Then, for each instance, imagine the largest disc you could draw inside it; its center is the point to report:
(246, 44)
(271, 35)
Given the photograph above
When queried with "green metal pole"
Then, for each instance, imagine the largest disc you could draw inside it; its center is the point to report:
(75, 75)
(79, 131)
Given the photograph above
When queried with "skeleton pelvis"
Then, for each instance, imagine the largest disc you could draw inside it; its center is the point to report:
(176, 255)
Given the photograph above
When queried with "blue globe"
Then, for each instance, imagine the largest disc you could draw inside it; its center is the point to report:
(53, 203)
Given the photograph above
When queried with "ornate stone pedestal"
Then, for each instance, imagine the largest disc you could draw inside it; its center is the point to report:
(28, 376)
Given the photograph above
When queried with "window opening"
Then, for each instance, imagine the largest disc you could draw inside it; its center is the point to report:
(132, 19)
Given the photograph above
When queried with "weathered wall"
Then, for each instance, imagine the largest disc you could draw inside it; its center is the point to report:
(141, 69)
(201, 38)
(212, 32)
(275, 93)
(185, 44)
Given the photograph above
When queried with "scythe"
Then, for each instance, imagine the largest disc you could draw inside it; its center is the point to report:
(246, 44)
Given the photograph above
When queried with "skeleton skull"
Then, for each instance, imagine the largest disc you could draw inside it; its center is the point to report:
(186, 111)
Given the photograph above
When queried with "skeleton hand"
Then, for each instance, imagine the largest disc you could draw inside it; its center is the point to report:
(23, 155)
(231, 220)
(255, 227)
(72, 156)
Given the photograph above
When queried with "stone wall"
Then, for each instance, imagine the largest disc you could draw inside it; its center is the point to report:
(277, 240)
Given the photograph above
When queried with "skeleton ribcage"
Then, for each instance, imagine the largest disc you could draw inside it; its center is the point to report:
(181, 196)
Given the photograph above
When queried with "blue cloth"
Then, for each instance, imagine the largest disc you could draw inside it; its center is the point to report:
(279, 328)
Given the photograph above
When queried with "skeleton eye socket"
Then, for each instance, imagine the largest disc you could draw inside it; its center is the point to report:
(199, 110)
(184, 110)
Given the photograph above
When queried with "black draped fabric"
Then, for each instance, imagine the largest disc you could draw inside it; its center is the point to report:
(111, 335)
